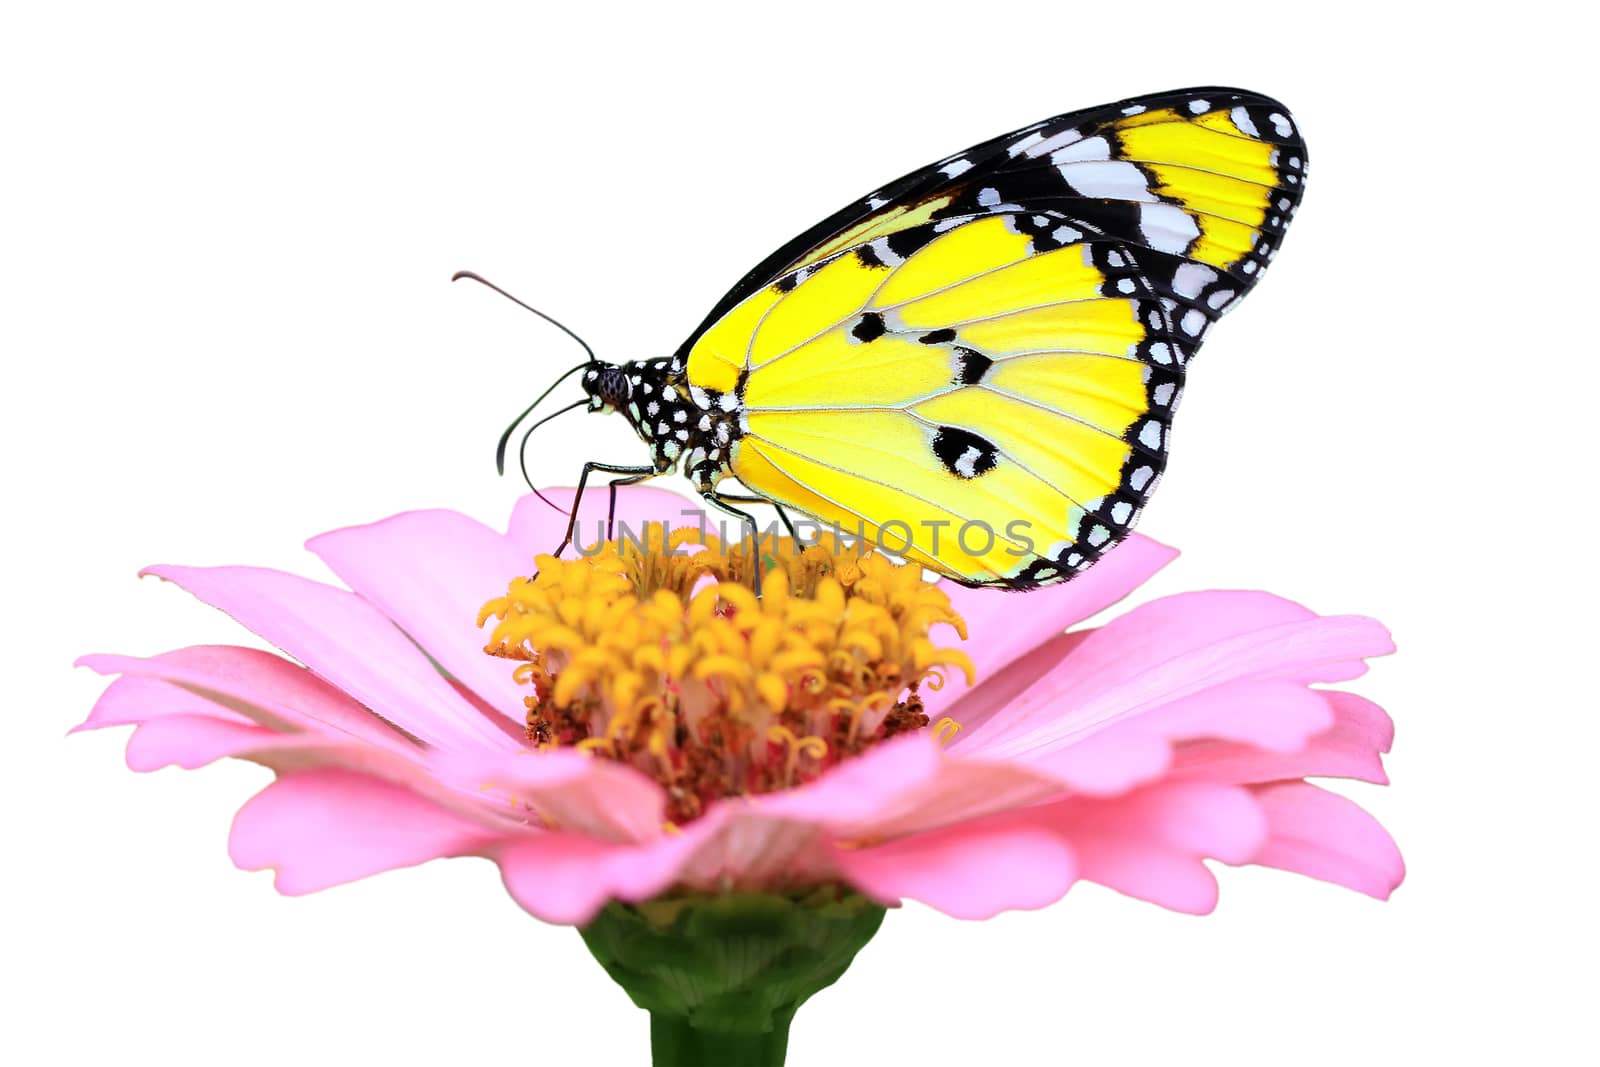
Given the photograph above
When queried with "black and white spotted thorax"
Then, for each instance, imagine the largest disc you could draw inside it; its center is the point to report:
(687, 428)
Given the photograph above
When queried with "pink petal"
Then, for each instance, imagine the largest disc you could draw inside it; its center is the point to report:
(1150, 844)
(1197, 818)
(431, 572)
(739, 846)
(191, 741)
(536, 528)
(597, 797)
(1005, 625)
(187, 706)
(1350, 748)
(326, 827)
(1160, 876)
(194, 739)
(1326, 836)
(1169, 650)
(1108, 764)
(569, 790)
(229, 682)
(568, 878)
(1265, 714)
(131, 700)
(883, 778)
(997, 691)
(905, 786)
(1360, 722)
(348, 642)
(972, 871)
(1275, 715)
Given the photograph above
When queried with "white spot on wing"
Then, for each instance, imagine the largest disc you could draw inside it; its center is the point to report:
(1050, 144)
(1083, 151)
(1110, 179)
(1190, 278)
(1022, 144)
(1167, 228)
(1241, 119)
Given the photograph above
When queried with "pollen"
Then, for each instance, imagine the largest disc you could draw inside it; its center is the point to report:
(655, 652)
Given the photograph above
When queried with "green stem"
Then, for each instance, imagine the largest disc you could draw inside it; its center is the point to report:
(675, 1042)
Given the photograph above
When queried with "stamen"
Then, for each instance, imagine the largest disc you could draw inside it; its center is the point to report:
(657, 654)
(781, 735)
(944, 731)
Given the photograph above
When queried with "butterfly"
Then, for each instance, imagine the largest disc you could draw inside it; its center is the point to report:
(977, 365)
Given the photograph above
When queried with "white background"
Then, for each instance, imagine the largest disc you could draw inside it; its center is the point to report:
(228, 325)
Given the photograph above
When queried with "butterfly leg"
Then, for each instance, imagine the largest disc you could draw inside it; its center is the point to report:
(611, 504)
(719, 502)
(783, 516)
(630, 475)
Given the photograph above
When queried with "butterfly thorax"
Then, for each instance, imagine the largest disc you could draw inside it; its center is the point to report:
(684, 425)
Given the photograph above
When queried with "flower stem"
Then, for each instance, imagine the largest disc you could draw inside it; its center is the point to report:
(675, 1042)
(722, 975)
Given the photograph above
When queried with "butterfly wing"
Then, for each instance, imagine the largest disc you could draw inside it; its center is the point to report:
(979, 362)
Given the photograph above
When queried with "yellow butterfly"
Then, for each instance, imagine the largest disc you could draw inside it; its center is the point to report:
(976, 366)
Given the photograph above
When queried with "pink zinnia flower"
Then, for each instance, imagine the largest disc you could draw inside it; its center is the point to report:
(1126, 755)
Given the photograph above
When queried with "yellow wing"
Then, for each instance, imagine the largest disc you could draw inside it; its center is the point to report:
(981, 371)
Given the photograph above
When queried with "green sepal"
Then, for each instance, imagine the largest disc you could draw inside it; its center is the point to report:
(723, 975)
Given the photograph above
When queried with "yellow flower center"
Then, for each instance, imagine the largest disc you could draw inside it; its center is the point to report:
(656, 653)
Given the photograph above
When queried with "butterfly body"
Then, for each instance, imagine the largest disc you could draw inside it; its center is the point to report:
(978, 364)
(687, 427)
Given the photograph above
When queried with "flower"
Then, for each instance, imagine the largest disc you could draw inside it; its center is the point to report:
(645, 724)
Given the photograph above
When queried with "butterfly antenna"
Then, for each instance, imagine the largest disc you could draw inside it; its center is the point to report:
(505, 438)
(522, 450)
(481, 280)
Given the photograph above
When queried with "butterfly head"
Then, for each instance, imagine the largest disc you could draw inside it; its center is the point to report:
(608, 386)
